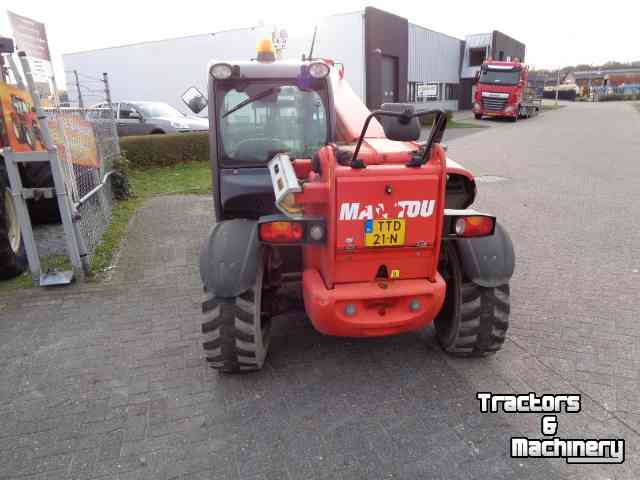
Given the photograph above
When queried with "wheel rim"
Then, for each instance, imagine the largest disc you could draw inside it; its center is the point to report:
(11, 220)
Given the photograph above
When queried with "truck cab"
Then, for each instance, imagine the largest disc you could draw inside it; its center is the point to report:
(502, 90)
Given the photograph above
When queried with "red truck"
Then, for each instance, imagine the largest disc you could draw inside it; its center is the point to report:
(503, 90)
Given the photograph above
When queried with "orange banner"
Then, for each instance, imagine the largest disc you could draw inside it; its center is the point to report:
(19, 128)
(80, 138)
(18, 123)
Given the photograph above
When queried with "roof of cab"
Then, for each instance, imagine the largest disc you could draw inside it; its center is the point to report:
(255, 69)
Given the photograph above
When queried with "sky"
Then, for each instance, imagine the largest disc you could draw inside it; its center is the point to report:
(556, 33)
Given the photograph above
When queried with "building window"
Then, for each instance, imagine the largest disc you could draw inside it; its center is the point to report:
(451, 91)
(501, 55)
(477, 56)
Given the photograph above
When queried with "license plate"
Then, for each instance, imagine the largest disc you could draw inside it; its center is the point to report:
(384, 233)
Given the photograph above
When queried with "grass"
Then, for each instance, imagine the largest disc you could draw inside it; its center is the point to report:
(192, 177)
(457, 124)
(551, 106)
(188, 178)
(451, 123)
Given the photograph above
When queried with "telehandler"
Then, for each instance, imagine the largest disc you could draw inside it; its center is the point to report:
(315, 193)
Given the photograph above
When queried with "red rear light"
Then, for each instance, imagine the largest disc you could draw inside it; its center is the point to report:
(474, 226)
(281, 232)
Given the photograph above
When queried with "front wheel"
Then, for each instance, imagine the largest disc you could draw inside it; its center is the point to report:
(236, 330)
(13, 260)
(474, 320)
(478, 116)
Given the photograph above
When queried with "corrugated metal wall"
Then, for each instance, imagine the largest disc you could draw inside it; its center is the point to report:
(434, 58)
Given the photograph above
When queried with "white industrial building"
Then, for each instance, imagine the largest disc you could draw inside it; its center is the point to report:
(386, 58)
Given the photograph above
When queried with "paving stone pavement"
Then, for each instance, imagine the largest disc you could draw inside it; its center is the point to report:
(108, 381)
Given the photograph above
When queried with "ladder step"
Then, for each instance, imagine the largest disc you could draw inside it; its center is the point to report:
(28, 193)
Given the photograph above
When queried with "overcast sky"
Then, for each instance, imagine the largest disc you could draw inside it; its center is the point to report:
(556, 33)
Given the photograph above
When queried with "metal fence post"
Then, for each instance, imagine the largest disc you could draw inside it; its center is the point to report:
(64, 202)
(107, 91)
(80, 102)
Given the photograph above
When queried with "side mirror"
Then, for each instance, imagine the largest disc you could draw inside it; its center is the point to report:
(405, 128)
(195, 100)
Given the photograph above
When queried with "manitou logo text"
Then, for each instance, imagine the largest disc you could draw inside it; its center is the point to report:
(405, 209)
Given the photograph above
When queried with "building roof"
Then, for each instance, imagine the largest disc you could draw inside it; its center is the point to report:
(585, 74)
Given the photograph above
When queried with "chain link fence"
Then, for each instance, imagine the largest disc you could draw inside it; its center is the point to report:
(88, 144)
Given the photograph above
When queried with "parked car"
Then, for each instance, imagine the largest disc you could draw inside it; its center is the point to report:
(143, 118)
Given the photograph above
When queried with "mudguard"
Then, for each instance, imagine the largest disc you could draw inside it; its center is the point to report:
(229, 258)
(488, 261)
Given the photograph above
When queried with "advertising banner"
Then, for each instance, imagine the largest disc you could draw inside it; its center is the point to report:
(70, 130)
(19, 128)
(30, 36)
(18, 123)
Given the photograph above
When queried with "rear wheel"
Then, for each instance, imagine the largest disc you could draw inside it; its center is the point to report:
(478, 116)
(237, 330)
(13, 259)
(474, 320)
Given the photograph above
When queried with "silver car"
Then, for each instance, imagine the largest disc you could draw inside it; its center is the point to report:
(143, 118)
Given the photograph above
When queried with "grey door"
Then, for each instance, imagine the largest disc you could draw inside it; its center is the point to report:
(389, 79)
(130, 121)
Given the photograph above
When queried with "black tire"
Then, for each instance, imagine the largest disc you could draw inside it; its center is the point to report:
(474, 320)
(516, 116)
(237, 330)
(13, 258)
(478, 116)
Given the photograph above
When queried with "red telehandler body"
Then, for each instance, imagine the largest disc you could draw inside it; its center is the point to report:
(315, 192)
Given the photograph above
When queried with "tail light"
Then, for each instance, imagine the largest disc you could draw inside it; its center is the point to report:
(468, 224)
(279, 229)
(281, 232)
(474, 226)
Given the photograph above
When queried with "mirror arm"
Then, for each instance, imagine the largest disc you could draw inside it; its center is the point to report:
(437, 131)
(355, 161)
(404, 117)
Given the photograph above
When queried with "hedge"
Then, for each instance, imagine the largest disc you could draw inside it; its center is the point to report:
(165, 150)
(427, 120)
(171, 149)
